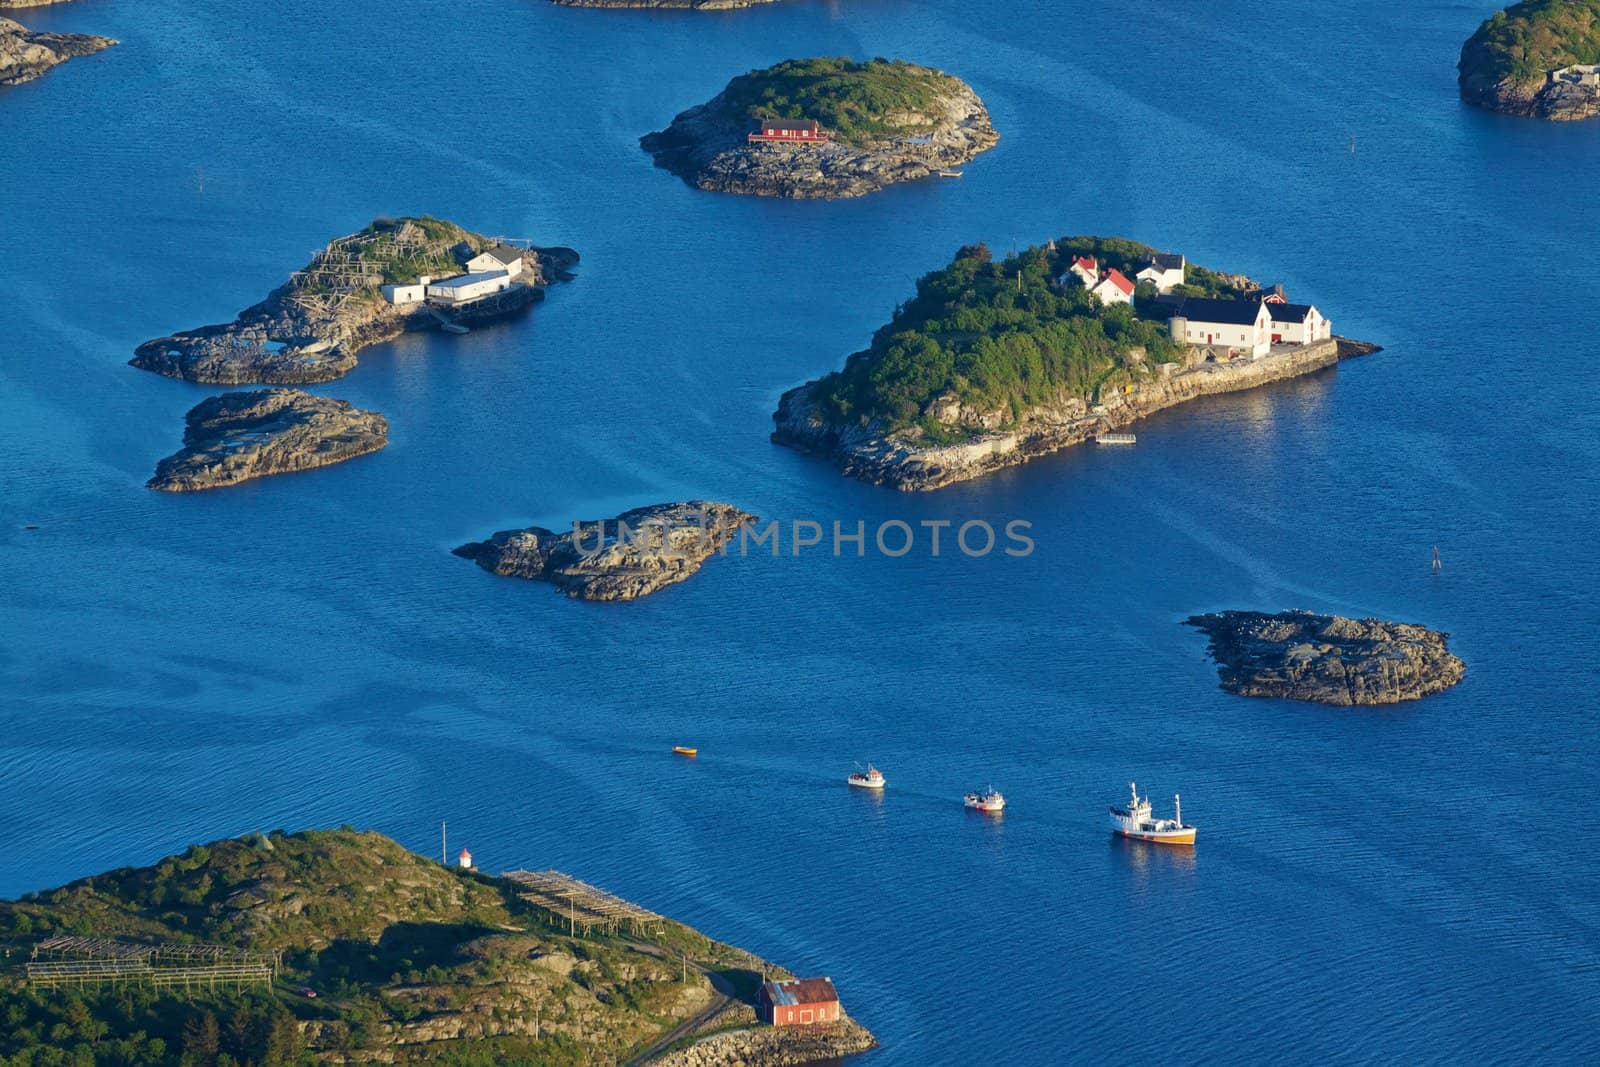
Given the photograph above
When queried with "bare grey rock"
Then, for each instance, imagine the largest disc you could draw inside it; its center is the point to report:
(1328, 659)
(773, 1046)
(25, 54)
(237, 436)
(623, 558)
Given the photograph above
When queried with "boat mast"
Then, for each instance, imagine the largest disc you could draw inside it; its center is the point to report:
(1177, 809)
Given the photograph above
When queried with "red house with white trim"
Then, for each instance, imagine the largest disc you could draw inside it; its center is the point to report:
(799, 1002)
(789, 131)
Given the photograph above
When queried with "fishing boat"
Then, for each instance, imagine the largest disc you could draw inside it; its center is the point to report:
(948, 173)
(683, 750)
(1135, 821)
(988, 801)
(871, 778)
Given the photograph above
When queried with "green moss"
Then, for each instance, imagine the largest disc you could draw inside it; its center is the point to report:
(1002, 337)
(1526, 41)
(859, 103)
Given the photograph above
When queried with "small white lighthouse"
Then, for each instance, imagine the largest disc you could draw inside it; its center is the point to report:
(464, 861)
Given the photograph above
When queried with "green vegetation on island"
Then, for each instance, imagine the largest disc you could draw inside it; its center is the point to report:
(1527, 40)
(409, 961)
(859, 103)
(1004, 336)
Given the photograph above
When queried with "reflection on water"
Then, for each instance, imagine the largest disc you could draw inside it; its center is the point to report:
(1146, 860)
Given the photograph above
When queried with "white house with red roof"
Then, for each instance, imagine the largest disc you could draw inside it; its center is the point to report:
(1085, 269)
(1114, 288)
(464, 861)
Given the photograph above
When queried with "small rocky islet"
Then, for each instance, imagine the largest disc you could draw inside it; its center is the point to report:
(1539, 59)
(992, 363)
(27, 54)
(234, 437)
(666, 5)
(1327, 659)
(361, 289)
(622, 558)
(825, 128)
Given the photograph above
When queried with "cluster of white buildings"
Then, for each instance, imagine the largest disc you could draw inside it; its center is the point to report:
(487, 273)
(1250, 326)
(1580, 74)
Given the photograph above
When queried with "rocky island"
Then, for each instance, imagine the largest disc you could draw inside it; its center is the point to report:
(344, 947)
(1539, 58)
(231, 438)
(25, 54)
(825, 128)
(993, 363)
(1328, 659)
(395, 275)
(624, 558)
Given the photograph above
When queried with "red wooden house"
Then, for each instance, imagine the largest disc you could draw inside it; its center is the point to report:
(789, 131)
(799, 1002)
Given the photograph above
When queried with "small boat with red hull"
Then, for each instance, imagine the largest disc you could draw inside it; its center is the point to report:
(1137, 822)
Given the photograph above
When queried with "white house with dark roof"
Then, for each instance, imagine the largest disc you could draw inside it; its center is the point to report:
(1297, 324)
(1238, 325)
(499, 258)
(1114, 288)
(1165, 271)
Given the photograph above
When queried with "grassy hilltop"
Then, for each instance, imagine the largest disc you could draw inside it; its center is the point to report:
(1523, 42)
(411, 961)
(972, 333)
(860, 103)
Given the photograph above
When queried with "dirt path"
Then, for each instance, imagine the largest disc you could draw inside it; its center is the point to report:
(692, 1024)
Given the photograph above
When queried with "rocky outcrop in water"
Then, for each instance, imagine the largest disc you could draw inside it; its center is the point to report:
(1328, 659)
(25, 54)
(237, 436)
(311, 328)
(773, 1046)
(624, 558)
(903, 462)
(1538, 59)
(707, 146)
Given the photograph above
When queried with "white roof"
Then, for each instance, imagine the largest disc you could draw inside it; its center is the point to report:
(462, 281)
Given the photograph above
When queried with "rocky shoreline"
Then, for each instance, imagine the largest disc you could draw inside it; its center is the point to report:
(1327, 659)
(26, 54)
(1556, 101)
(769, 1046)
(623, 558)
(303, 332)
(707, 146)
(900, 462)
(234, 437)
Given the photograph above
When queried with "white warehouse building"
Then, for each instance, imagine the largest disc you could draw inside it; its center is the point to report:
(465, 288)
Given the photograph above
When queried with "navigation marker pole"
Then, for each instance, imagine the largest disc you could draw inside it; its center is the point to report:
(444, 852)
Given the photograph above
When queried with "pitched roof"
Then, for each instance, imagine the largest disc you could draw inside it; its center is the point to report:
(504, 254)
(1167, 261)
(1086, 262)
(1289, 312)
(1118, 279)
(1227, 312)
(809, 125)
(801, 991)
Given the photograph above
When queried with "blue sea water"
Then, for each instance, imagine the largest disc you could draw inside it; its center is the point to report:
(1409, 884)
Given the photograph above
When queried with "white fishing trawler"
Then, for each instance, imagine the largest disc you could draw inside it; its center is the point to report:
(989, 800)
(871, 778)
(1136, 821)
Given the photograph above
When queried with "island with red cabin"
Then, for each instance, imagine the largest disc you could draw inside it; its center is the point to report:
(826, 128)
